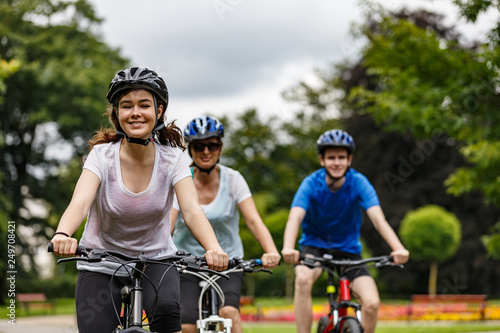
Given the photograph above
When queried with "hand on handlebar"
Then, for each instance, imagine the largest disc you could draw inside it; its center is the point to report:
(270, 260)
(216, 260)
(64, 246)
(290, 256)
(400, 256)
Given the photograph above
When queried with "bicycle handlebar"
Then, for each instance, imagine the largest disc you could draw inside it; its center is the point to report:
(247, 266)
(181, 259)
(328, 261)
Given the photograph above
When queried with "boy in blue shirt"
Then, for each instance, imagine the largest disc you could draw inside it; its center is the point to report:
(328, 206)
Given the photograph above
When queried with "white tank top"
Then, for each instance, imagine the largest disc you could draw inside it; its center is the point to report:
(222, 213)
(131, 222)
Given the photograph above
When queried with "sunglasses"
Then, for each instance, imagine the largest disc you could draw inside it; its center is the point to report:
(200, 147)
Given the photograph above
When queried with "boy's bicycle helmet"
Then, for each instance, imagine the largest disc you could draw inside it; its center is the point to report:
(203, 127)
(335, 138)
(139, 78)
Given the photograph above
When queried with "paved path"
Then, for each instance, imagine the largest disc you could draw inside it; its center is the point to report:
(41, 324)
(67, 324)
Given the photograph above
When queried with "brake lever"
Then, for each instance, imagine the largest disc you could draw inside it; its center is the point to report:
(308, 262)
(262, 270)
(208, 270)
(386, 263)
(72, 259)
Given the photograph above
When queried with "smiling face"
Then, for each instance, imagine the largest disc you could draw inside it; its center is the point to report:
(206, 153)
(136, 113)
(336, 160)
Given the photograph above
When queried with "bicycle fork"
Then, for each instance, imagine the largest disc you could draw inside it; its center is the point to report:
(210, 321)
(339, 309)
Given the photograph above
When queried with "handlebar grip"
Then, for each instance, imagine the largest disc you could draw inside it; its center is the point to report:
(79, 249)
(232, 263)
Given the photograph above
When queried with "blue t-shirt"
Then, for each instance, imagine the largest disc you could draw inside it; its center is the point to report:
(333, 219)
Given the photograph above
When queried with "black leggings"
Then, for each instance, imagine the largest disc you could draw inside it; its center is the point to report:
(94, 303)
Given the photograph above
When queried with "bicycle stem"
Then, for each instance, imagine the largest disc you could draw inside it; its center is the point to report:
(214, 301)
(136, 295)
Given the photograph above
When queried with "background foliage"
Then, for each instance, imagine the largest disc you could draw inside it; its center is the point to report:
(49, 108)
(419, 101)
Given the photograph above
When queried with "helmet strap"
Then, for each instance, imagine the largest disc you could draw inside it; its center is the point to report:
(334, 179)
(207, 171)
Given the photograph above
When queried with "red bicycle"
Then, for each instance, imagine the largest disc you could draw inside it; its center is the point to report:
(338, 320)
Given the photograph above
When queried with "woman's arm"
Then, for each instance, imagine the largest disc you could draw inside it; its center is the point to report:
(197, 223)
(295, 217)
(254, 222)
(399, 252)
(75, 213)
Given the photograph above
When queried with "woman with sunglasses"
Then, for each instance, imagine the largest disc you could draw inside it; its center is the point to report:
(221, 191)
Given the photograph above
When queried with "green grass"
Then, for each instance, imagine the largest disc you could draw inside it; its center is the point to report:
(62, 306)
(414, 327)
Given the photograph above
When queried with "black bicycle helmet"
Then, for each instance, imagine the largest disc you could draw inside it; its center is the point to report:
(136, 78)
(139, 78)
(335, 138)
(203, 127)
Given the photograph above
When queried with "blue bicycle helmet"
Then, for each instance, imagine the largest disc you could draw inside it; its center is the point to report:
(335, 138)
(203, 127)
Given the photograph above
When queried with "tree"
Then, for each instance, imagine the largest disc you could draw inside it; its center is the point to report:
(274, 155)
(408, 171)
(431, 233)
(53, 102)
(492, 242)
(436, 83)
(447, 87)
(6, 69)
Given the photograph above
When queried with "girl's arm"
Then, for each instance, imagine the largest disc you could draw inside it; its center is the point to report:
(254, 222)
(399, 252)
(197, 223)
(75, 213)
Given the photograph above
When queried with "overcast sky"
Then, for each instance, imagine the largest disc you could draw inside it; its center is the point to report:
(225, 56)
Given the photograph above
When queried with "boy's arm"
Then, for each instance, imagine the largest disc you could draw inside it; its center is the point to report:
(399, 252)
(295, 217)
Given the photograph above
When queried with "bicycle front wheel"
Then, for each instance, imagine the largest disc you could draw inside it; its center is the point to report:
(350, 325)
(322, 324)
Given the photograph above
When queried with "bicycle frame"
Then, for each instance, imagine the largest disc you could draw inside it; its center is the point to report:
(338, 319)
(208, 304)
(210, 321)
(132, 294)
(132, 300)
(339, 305)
